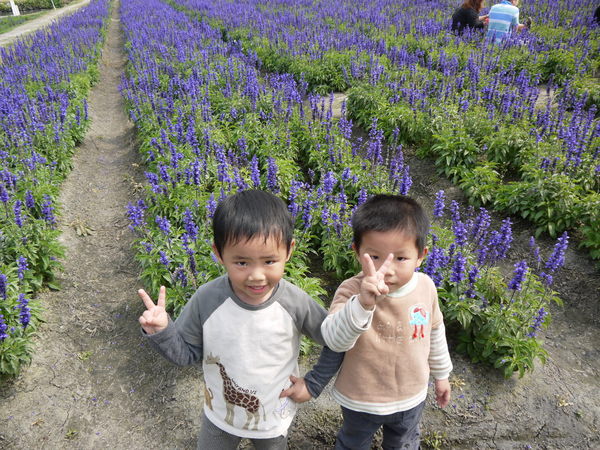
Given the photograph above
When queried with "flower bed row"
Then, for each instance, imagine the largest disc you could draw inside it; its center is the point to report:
(44, 81)
(211, 122)
(474, 108)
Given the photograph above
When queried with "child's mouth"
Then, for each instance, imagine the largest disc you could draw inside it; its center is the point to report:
(257, 289)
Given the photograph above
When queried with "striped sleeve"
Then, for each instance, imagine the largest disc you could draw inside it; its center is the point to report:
(440, 364)
(343, 327)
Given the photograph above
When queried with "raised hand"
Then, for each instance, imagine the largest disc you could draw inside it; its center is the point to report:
(155, 318)
(373, 284)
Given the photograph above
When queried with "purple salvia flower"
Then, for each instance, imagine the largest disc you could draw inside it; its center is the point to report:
(406, 181)
(163, 224)
(3, 328)
(211, 206)
(272, 170)
(307, 208)
(136, 214)
(473, 275)
(438, 207)
(163, 258)
(21, 266)
(255, 172)
(538, 321)
(362, 196)
(29, 200)
(181, 276)
(3, 280)
(519, 276)
(458, 268)
(3, 194)
(557, 258)
(546, 278)
(328, 183)
(460, 233)
(25, 311)
(48, 210)
(189, 224)
(17, 210)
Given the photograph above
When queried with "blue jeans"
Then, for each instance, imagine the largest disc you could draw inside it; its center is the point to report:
(400, 430)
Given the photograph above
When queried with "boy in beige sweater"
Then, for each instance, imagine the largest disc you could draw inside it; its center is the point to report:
(388, 321)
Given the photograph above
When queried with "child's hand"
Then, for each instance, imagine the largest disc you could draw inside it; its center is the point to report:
(442, 392)
(155, 318)
(373, 284)
(297, 391)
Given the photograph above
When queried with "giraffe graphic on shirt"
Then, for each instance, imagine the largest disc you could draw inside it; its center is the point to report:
(237, 396)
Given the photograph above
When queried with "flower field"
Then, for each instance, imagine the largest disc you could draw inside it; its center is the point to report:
(227, 96)
(44, 80)
(217, 91)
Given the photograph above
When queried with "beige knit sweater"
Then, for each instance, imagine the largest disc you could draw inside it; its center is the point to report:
(391, 350)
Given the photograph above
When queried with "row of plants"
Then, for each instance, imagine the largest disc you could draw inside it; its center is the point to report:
(471, 106)
(44, 81)
(211, 122)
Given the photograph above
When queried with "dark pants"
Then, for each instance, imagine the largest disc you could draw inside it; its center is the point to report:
(213, 438)
(400, 430)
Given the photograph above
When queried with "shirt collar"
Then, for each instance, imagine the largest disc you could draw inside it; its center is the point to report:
(407, 288)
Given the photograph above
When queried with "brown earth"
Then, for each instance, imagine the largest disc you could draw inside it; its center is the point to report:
(94, 384)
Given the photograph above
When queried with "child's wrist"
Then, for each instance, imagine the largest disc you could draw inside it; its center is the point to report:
(368, 307)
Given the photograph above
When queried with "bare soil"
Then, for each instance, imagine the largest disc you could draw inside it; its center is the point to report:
(94, 384)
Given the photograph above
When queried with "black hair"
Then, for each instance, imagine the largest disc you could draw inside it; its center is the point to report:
(384, 212)
(251, 213)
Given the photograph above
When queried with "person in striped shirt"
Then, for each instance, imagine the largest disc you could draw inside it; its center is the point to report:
(388, 321)
(503, 20)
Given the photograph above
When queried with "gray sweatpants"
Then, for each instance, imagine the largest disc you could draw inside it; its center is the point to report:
(212, 437)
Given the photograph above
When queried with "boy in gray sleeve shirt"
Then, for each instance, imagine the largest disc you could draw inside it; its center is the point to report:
(245, 326)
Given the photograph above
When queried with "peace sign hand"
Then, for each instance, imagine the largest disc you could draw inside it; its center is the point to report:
(373, 284)
(155, 318)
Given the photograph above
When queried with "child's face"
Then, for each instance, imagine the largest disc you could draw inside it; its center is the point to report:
(254, 267)
(379, 244)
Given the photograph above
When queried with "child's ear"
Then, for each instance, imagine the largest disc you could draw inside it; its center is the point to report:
(291, 250)
(422, 257)
(216, 252)
(354, 249)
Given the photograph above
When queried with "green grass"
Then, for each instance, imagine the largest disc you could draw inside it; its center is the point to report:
(10, 22)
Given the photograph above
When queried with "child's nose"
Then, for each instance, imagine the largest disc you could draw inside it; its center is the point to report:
(256, 274)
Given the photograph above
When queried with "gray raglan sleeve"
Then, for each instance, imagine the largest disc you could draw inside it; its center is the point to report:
(181, 342)
(171, 345)
(309, 316)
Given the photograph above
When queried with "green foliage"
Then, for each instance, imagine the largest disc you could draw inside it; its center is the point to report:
(480, 184)
(550, 201)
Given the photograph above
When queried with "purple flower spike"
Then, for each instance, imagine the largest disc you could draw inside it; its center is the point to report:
(438, 207)
(519, 276)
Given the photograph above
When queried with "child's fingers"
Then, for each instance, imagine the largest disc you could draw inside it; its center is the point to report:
(289, 392)
(146, 299)
(367, 265)
(162, 296)
(386, 264)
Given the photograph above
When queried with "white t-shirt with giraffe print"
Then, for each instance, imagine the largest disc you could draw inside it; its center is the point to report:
(248, 353)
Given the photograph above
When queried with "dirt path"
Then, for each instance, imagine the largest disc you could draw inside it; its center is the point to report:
(93, 384)
(46, 19)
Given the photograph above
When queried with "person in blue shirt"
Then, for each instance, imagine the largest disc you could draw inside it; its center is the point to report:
(503, 20)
